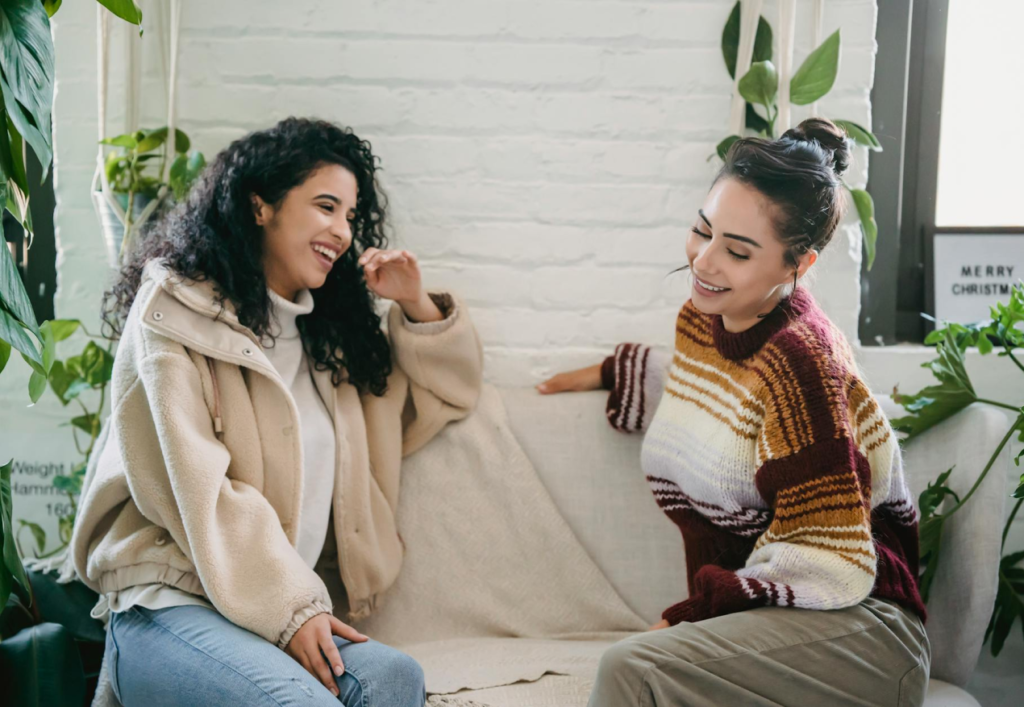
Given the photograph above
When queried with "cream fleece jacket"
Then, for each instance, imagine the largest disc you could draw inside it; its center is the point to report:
(169, 499)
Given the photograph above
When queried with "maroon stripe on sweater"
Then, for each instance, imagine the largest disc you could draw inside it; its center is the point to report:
(643, 389)
(628, 367)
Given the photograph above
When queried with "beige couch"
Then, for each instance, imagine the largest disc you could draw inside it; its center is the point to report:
(593, 475)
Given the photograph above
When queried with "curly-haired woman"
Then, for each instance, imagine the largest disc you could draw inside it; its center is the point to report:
(767, 450)
(259, 418)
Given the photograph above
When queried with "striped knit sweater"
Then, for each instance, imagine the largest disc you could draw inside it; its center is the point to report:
(769, 453)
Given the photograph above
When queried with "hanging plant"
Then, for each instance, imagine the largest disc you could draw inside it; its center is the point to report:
(759, 87)
(133, 175)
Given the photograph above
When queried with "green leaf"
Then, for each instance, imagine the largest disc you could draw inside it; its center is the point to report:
(935, 403)
(49, 347)
(126, 141)
(5, 354)
(14, 334)
(184, 171)
(51, 7)
(731, 41)
(94, 365)
(869, 227)
(152, 141)
(16, 143)
(755, 122)
(723, 147)
(984, 345)
(37, 367)
(12, 572)
(36, 386)
(1019, 491)
(60, 380)
(62, 328)
(26, 54)
(935, 493)
(38, 137)
(13, 297)
(77, 387)
(860, 135)
(930, 528)
(1009, 606)
(817, 74)
(12, 159)
(127, 10)
(38, 534)
(181, 141)
(17, 204)
(68, 484)
(90, 424)
(761, 84)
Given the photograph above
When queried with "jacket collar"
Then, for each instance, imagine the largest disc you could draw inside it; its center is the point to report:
(189, 312)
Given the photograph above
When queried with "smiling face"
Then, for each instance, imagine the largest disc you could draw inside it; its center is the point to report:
(308, 230)
(737, 262)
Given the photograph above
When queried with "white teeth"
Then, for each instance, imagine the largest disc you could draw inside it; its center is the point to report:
(706, 286)
(331, 254)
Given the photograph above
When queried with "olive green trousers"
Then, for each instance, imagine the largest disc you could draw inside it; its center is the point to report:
(875, 653)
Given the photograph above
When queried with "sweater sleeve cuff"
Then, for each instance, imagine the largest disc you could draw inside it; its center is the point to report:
(608, 373)
(299, 619)
(689, 610)
(449, 309)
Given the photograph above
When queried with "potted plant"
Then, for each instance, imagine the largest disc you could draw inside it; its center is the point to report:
(137, 188)
(951, 393)
(33, 649)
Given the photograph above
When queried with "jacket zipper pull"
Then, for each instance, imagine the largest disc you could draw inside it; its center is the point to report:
(218, 424)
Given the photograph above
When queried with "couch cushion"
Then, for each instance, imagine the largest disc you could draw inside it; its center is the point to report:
(942, 694)
(965, 584)
(593, 474)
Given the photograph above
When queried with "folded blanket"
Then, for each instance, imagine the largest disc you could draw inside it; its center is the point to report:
(495, 589)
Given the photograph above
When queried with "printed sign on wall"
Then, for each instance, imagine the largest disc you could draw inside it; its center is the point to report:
(974, 271)
(42, 449)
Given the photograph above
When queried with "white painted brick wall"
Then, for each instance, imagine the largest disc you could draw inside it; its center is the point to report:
(544, 158)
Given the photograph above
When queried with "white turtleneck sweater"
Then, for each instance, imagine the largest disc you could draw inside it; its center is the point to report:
(318, 449)
(315, 423)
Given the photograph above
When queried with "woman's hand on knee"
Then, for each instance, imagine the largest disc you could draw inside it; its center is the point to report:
(581, 379)
(313, 648)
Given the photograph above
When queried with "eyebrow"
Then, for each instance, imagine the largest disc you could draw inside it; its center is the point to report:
(733, 236)
(329, 197)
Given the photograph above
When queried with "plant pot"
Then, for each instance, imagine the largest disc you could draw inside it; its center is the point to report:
(113, 229)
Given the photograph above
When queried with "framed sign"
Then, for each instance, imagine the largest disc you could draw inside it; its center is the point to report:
(975, 270)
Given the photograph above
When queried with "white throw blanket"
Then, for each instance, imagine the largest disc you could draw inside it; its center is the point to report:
(497, 599)
(495, 589)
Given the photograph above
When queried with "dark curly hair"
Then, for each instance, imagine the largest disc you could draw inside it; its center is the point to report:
(213, 235)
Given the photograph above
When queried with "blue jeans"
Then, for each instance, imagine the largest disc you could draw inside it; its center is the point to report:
(191, 655)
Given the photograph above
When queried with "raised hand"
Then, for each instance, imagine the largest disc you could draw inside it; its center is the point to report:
(392, 274)
(395, 275)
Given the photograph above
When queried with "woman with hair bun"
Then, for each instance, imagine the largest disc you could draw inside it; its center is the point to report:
(259, 418)
(764, 446)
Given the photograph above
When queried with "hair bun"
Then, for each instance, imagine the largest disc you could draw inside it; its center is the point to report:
(829, 136)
